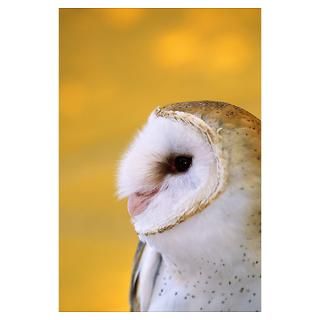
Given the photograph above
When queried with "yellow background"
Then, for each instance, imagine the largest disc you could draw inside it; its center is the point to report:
(116, 65)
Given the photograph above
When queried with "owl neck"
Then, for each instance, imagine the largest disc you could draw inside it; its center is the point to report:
(219, 238)
(190, 263)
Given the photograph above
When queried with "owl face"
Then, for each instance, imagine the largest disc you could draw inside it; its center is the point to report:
(173, 169)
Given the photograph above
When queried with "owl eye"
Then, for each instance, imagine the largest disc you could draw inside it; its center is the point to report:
(182, 163)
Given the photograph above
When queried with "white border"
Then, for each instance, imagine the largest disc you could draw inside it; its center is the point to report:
(29, 158)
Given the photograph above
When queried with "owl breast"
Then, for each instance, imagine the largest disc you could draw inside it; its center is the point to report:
(217, 286)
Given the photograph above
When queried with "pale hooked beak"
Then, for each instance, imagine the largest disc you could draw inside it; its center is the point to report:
(138, 201)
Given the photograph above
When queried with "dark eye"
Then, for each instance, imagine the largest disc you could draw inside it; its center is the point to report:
(182, 163)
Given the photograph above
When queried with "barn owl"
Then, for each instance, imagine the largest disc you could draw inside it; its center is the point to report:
(192, 179)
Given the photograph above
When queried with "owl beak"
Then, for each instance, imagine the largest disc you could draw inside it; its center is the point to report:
(138, 201)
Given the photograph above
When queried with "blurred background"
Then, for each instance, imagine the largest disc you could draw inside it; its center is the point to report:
(116, 66)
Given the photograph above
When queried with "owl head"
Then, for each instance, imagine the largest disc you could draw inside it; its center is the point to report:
(191, 158)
